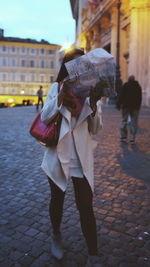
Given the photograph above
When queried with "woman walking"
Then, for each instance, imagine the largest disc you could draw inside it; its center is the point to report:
(72, 158)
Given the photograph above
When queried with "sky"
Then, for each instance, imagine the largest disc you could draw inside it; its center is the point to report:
(50, 20)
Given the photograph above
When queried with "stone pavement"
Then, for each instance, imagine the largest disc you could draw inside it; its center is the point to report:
(121, 201)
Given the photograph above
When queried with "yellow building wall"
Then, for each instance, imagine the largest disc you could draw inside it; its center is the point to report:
(14, 92)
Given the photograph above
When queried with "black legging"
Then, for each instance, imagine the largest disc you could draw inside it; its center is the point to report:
(83, 197)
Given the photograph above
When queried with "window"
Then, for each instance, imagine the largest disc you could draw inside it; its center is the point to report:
(22, 77)
(32, 77)
(42, 51)
(52, 65)
(51, 52)
(14, 62)
(32, 92)
(4, 48)
(4, 61)
(12, 90)
(13, 76)
(4, 77)
(13, 49)
(23, 63)
(2, 90)
(32, 51)
(42, 64)
(42, 78)
(23, 50)
(51, 79)
(32, 63)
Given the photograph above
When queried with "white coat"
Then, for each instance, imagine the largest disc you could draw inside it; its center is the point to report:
(56, 160)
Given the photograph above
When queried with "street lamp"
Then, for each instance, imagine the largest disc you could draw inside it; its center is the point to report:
(118, 80)
(22, 92)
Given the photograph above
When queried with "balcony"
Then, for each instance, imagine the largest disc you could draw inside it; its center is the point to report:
(90, 18)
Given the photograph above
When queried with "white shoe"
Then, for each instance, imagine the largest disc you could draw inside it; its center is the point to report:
(56, 246)
(93, 261)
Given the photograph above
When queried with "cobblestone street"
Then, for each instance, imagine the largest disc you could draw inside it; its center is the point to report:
(121, 200)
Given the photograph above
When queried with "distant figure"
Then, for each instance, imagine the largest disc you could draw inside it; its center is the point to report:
(40, 98)
(129, 101)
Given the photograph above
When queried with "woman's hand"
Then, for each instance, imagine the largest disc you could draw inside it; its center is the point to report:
(63, 89)
(95, 94)
(94, 108)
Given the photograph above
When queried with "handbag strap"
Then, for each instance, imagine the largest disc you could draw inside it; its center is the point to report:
(60, 86)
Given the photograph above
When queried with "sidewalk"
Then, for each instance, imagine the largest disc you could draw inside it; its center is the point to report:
(121, 200)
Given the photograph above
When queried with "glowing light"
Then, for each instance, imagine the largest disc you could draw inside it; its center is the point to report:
(67, 46)
(10, 100)
(22, 92)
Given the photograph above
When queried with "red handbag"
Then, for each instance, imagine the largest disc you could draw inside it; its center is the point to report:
(46, 134)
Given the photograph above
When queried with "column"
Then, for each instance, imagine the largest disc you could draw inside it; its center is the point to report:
(96, 36)
(114, 31)
(139, 48)
(89, 43)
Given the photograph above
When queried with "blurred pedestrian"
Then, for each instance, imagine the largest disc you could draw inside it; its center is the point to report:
(72, 158)
(129, 101)
(40, 98)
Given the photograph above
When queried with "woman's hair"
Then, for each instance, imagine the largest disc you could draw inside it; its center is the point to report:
(68, 56)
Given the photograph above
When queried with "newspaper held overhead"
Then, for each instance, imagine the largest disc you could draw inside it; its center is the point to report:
(96, 69)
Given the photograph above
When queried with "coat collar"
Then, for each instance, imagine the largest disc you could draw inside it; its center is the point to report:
(66, 113)
(65, 127)
(86, 111)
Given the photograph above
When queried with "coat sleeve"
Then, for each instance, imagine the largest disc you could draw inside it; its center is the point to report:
(139, 96)
(50, 108)
(95, 123)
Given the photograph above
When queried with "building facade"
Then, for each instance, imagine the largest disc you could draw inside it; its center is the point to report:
(25, 64)
(96, 26)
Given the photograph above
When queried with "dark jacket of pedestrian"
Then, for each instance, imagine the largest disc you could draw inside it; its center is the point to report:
(40, 93)
(130, 95)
